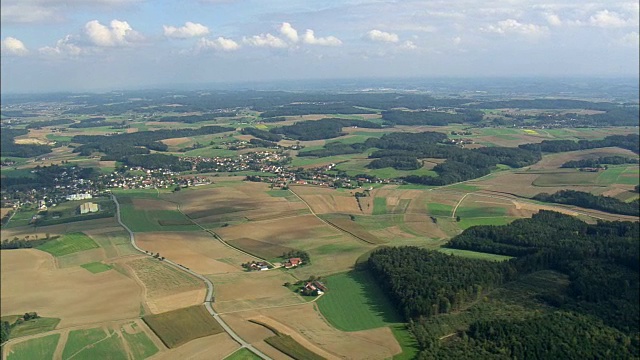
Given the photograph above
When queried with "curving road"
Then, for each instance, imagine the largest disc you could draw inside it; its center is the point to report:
(208, 297)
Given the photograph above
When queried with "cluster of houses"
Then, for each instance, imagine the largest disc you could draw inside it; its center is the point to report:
(265, 161)
(256, 266)
(314, 287)
(292, 262)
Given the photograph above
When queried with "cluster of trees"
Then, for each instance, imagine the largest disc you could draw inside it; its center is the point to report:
(118, 146)
(8, 146)
(273, 119)
(321, 129)
(396, 162)
(44, 176)
(593, 163)
(307, 109)
(629, 142)
(303, 255)
(425, 283)
(335, 148)
(5, 326)
(601, 261)
(192, 119)
(590, 201)
(262, 143)
(16, 243)
(91, 122)
(158, 161)
(261, 134)
(41, 124)
(433, 118)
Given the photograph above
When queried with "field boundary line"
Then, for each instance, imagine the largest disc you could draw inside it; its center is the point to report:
(209, 295)
(453, 213)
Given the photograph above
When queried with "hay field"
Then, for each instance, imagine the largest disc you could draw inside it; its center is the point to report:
(325, 200)
(309, 328)
(213, 347)
(253, 290)
(74, 295)
(165, 288)
(260, 249)
(198, 251)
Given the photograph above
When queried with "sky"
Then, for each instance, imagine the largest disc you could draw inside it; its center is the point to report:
(85, 45)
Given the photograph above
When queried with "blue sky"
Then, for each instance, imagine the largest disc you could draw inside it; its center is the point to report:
(50, 45)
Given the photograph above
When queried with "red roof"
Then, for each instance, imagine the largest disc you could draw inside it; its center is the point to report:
(295, 261)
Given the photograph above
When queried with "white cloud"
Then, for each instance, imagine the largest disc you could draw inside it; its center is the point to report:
(217, 44)
(514, 26)
(607, 19)
(38, 11)
(265, 40)
(553, 19)
(382, 36)
(63, 47)
(14, 46)
(457, 40)
(119, 33)
(310, 38)
(408, 45)
(289, 32)
(188, 30)
(631, 39)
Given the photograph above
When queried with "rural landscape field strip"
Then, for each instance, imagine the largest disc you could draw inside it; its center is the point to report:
(208, 283)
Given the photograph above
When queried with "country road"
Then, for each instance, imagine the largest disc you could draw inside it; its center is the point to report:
(208, 297)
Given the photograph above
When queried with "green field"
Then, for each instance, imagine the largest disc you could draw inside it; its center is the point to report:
(31, 327)
(480, 212)
(97, 267)
(39, 348)
(379, 206)
(354, 302)
(292, 348)
(466, 223)
(407, 342)
(474, 254)
(439, 210)
(626, 175)
(359, 166)
(139, 220)
(180, 326)
(243, 354)
(261, 249)
(92, 344)
(68, 244)
(139, 343)
(21, 218)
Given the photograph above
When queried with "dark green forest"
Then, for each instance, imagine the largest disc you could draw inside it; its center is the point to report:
(321, 129)
(601, 301)
(599, 162)
(590, 201)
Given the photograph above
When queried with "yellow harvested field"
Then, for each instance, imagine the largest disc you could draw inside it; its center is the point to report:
(280, 231)
(311, 329)
(31, 141)
(327, 201)
(253, 290)
(214, 347)
(165, 288)
(4, 211)
(75, 295)
(553, 161)
(175, 141)
(198, 251)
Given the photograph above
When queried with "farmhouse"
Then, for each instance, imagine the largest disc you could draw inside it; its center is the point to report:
(88, 207)
(292, 262)
(314, 287)
(78, 197)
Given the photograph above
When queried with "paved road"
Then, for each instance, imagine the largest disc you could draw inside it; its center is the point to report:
(208, 297)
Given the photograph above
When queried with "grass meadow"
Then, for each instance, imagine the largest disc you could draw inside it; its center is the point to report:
(292, 348)
(354, 302)
(68, 244)
(242, 354)
(96, 267)
(92, 344)
(38, 348)
(474, 254)
(31, 327)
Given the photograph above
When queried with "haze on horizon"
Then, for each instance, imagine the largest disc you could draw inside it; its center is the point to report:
(79, 45)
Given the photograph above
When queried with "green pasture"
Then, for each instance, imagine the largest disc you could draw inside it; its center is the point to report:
(625, 175)
(379, 206)
(31, 327)
(68, 244)
(92, 344)
(355, 302)
(38, 348)
(439, 210)
(243, 354)
(480, 212)
(466, 223)
(474, 254)
(139, 343)
(142, 220)
(96, 267)
(292, 348)
(564, 178)
(21, 218)
(407, 342)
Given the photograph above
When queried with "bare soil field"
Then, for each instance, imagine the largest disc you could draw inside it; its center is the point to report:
(214, 347)
(198, 251)
(327, 201)
(75, 295)
(253, 290)
(261, 249)
(356, 230)
(165, 288)
(311, 329)
(175, 141)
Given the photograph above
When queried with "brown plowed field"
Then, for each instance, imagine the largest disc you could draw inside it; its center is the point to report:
(214, 347)
(75, 295)
(327, 201)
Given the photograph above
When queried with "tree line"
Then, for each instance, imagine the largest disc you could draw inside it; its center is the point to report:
(599, 162)
(321, 129)
(8, 146)
(590, 201)
(261, 134)
(629, 142)
(434, 118)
